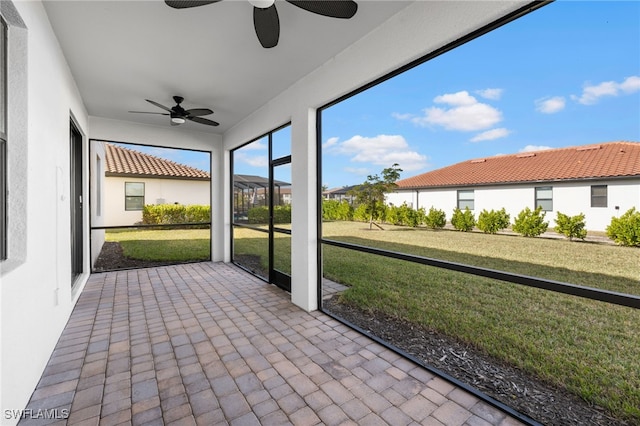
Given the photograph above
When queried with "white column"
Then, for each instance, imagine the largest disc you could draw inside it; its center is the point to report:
(304, 236)
(220, 200)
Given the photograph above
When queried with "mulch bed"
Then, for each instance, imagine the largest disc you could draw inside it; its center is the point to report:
(532, 397)
(111, 258)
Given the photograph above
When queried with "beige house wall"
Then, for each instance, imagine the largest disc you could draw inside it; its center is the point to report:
(156, 191)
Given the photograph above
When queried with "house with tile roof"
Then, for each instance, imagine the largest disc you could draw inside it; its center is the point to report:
(599, 180)
(133, 179)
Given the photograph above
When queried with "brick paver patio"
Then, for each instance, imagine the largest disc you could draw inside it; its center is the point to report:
(209, 344)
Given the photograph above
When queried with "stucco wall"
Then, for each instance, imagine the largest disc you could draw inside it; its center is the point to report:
(36, 294)
(570, 198)
(172, 191)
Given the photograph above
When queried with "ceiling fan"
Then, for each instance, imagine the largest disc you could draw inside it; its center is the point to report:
(265, 15)
(180, 115)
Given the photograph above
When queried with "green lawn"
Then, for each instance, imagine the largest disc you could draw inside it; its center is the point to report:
(590, 348)
(176, 245)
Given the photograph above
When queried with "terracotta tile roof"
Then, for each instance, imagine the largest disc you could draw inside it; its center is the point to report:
(605, 160)
(127, 162)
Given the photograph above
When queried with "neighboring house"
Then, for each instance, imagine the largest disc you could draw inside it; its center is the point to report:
(601, 181)
(133, 180)
(339, 194)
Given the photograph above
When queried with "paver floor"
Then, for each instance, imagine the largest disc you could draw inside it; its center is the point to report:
(209, 344)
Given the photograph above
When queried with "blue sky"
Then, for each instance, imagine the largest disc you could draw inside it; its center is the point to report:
(567, 74)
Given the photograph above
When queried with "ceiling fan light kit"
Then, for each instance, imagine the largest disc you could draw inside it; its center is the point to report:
(180, 115)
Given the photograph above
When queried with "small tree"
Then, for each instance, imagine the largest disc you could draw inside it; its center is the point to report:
(571, 226)
(435, 219)
(372, 192)
(493, 221)
(530, 223)
(625, 230)
(463, 220)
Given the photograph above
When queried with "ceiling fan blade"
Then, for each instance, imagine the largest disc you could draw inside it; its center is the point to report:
(196, 112)
(344, 9)
(146, 112)
(267, 25)
(203, 121)
(185, 4)
(158, 105)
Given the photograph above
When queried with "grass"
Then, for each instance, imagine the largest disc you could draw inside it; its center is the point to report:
(590, 348)
(177, 245)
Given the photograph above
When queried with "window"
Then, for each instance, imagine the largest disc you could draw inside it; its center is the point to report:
(3, 140)
(133, 195)
(544, 198)
(466, 199)
(599, 196)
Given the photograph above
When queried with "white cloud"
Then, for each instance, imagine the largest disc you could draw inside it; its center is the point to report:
(550, 105)
(531, 148)
(492, 134)
(254, 146)
(465, 113)
(252, 160)
(330, 142)
(591, 94)
(493, 94)
(401, 116)
(381, 150)
(359, 171)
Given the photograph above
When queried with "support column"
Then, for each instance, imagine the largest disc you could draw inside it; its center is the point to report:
(220, 199)
(304, 263)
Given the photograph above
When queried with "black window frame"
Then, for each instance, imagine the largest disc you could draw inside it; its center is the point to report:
(130, 197)
(538, 200)
(597, 200)
(471, 200)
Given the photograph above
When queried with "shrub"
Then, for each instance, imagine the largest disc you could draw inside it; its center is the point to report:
(157, 214)
(625, 230)
(435, 219)
(336, 210)
(571, 226)
(404, 215)
(257, 215)
(260, 215)
(463, 220)
(361, 213)
(530, 223)
(493, 221)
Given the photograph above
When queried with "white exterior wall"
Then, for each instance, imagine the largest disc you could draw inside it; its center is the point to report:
(36, 297)
(570, 198)
(172, 191)
(98, 164)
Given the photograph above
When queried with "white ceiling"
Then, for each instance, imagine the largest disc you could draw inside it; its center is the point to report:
(123, 52)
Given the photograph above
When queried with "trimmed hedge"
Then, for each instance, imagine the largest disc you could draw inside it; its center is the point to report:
(435, 219)
(571, 226)
(463, 220)
(161, 214)
(490, 222)
(625, 230)
(530, 223)
(260, 215)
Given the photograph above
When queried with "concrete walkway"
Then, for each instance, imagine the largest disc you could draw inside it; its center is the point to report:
(209, 344)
